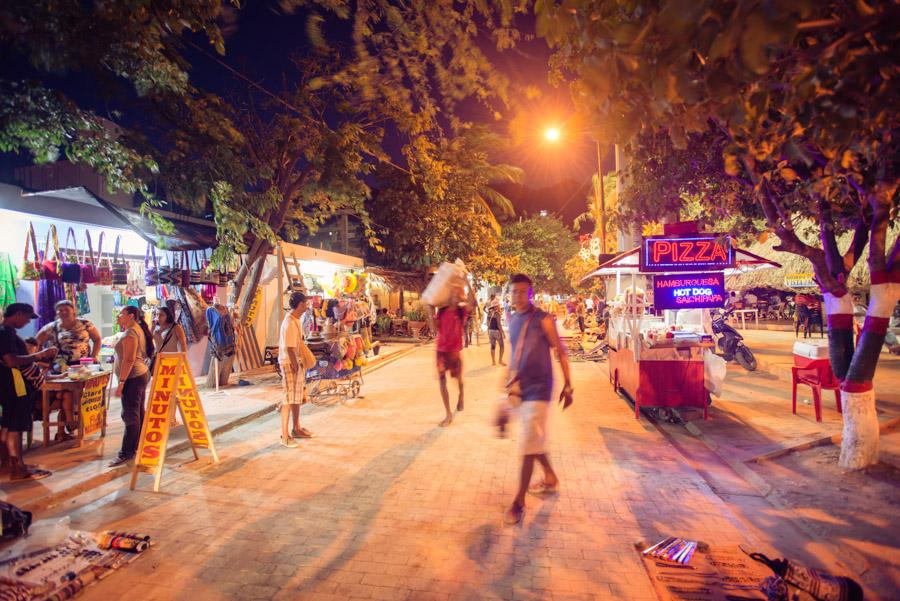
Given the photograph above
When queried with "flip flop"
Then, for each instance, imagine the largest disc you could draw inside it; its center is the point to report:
(542, 488)
(513, 515)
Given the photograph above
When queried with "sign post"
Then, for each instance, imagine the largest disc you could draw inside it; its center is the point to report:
(172, 385)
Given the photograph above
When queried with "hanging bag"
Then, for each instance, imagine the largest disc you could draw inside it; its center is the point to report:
(185, 264)
(50, 261)
(167, 274)
(31, 268)
(119, 267)
(89, 265)
(151, 274)
(104, 268)
(196, 276)
(70, 270)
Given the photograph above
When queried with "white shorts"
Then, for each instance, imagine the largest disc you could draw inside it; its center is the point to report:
(534, 419)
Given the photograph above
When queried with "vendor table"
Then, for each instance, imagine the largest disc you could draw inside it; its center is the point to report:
(745, 312)
(663, 377)
(77, 388)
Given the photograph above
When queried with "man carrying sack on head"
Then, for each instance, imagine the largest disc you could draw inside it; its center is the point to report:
(293, 358)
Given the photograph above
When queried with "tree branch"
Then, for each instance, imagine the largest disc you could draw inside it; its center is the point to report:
(860, 239)
(878, 234)
(833, 259)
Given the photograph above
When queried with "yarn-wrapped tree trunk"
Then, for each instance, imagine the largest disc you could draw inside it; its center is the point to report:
(853, 364)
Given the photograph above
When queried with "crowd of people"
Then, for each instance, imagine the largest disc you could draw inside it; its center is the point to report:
(67, 341)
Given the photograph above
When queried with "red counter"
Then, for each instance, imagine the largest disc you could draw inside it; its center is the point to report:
(658, 383)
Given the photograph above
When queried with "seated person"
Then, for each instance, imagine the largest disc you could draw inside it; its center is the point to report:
(35, 374)
(75, 338)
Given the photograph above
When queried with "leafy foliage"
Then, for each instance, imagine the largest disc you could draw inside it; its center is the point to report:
(116, 46)
(543, 246)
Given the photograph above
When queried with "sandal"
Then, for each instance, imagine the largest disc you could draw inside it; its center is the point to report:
(302, 433)
(27, 474)
(514, 515)
(542, 488)
(62, 436)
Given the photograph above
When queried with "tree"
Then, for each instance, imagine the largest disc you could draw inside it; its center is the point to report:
(802, 94)
(275, 168)
(123, 48)
(576, 268)
(543, 245)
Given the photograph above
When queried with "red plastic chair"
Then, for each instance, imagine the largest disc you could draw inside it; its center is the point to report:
(818, 376)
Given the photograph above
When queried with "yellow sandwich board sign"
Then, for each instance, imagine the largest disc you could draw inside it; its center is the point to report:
(172, 385)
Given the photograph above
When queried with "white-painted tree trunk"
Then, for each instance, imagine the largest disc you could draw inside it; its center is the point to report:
(859, 445)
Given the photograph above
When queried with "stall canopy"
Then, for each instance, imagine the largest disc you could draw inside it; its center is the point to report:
(628, 262)
(398, 280)
(188, 232)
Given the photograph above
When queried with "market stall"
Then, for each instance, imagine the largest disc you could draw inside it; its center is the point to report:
(660, 359)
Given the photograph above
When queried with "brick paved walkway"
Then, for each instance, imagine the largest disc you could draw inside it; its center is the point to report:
(386, 505)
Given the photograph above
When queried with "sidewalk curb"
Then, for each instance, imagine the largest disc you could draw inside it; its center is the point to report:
(53, 500)
(852, 560)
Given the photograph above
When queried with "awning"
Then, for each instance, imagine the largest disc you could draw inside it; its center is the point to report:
(397, 280)
(189, 232)
(629, 262)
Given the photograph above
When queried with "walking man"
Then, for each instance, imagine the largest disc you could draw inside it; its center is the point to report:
(533, 368)
(293, 376)
(448, 324)
(495, 329)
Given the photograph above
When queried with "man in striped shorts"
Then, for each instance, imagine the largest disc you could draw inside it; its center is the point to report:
(293, 377)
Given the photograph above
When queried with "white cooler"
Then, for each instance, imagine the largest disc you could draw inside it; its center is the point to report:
(813, 349)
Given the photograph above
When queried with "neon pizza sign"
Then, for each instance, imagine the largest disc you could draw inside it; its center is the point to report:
(688, 253)
(689, 291)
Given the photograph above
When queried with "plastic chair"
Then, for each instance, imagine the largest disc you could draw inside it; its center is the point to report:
(818, 378)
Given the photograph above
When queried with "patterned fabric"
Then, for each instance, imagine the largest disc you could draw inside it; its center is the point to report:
(50, 292)
(74, 343)
(9, 280)
(292, 383)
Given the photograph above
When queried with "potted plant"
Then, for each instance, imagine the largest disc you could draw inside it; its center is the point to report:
(417, 319)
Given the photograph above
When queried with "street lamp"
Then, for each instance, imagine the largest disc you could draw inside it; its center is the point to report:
(553, 134)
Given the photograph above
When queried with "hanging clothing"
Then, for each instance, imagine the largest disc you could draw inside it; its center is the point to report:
(9, 281)
(221, 331)
(50, 292)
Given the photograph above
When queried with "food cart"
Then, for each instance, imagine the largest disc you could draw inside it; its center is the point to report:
(656, 361)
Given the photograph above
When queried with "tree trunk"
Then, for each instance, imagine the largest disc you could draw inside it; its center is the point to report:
(859, 446)
(256, 269)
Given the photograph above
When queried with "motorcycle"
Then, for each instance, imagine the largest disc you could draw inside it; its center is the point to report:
(730, 343)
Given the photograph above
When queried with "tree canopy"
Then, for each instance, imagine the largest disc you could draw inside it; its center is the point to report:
(543, 246)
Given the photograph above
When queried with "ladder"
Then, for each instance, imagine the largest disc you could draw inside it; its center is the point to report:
(294, 273)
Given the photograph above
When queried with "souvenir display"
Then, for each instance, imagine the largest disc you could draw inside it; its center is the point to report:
(31, 267)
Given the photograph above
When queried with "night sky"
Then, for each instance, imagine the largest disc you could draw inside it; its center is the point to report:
(260, 42)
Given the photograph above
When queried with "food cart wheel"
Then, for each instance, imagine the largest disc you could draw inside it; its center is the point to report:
(355, 385)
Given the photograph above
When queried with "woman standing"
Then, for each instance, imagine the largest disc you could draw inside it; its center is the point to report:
(168, 335)
(132, 353)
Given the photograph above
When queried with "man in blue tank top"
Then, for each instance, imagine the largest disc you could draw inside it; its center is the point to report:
(533, 368)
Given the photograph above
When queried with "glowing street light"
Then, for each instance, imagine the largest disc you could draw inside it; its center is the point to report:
(552, 134)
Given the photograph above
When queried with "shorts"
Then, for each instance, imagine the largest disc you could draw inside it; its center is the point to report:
(293, 384)
(17, 413)
(534, 419)
(495, 336)
(449, 361)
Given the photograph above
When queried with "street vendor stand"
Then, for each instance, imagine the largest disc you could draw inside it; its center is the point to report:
(655, 362)
(89, 400)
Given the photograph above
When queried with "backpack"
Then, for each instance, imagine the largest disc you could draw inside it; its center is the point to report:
(15, 521)
(795, 582)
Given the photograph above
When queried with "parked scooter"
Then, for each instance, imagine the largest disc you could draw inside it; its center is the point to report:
(730, 343)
